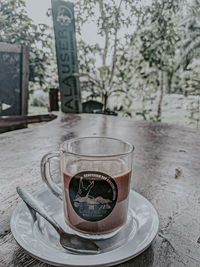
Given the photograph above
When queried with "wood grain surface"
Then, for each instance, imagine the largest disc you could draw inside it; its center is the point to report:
(166, 172)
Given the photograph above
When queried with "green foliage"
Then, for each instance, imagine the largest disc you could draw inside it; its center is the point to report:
(165, 53)
(194, 111)
(107, 77)
(158, 54)
(159, 36)
(38, 102)
(188, 66)
(153, 48)
(17, 28)
(190, 25)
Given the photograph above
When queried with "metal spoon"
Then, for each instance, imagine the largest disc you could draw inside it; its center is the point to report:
(71, 242)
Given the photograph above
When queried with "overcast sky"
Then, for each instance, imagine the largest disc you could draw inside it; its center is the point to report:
(37, 11)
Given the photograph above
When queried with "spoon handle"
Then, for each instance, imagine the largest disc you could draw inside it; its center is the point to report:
(35, 205)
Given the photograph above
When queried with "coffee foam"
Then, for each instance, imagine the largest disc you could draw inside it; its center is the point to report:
(110, 167)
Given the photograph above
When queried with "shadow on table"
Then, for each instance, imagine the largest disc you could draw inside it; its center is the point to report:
(145, 259)
(22, 259)
(11, 123)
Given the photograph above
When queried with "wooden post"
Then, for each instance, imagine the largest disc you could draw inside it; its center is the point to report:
(53, 99)
(24, 80)
(66, 53)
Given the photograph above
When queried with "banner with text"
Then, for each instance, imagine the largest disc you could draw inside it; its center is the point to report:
(66, 53)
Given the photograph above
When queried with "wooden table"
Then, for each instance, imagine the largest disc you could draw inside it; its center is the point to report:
(166, 172)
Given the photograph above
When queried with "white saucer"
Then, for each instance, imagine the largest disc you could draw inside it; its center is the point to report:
(41, 240)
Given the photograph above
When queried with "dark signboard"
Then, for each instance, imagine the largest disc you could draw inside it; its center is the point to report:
(10, 83)
(66, 53)
(13, 79)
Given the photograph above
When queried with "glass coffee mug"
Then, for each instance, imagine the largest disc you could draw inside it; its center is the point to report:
(96, 175)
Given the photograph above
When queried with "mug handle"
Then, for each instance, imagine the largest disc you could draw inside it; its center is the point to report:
(45, 168)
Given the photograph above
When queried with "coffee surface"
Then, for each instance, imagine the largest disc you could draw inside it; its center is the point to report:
(96, 199)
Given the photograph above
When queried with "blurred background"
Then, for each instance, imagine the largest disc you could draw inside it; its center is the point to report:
(140, 59)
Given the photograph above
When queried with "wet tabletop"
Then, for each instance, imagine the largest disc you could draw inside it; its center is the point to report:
(166, 171)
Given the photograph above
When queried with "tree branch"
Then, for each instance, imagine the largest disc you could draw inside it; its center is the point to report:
(114, 58)
(115, 91)
(83, 74)
(105, 50)
(106, 31)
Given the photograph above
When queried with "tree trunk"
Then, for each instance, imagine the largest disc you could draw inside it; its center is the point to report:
(169, 82)
(198, 115)
(159, 111)
(104, 101)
